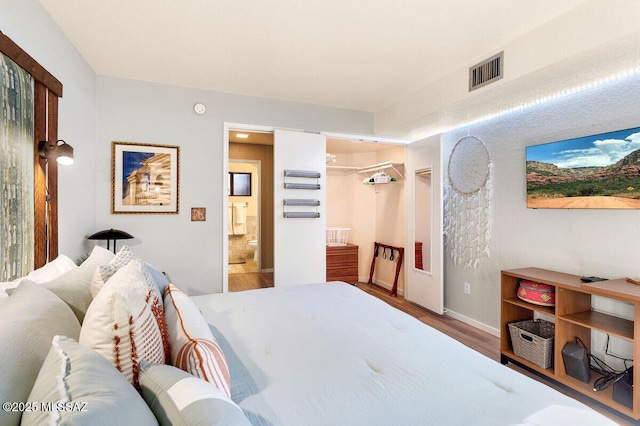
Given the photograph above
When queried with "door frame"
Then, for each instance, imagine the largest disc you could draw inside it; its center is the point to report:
(227, 127)
(421, 287)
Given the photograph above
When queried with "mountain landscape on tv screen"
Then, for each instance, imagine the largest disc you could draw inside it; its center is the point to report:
(613, 186)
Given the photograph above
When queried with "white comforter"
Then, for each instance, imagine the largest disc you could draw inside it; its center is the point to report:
(330, 354)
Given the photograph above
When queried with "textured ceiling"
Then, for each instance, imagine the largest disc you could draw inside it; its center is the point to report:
(353, 54)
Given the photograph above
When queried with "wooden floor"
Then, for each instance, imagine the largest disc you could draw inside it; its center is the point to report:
(476, 339)
(250, 281)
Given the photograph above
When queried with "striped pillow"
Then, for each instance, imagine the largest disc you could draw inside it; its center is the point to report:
(193, 347)
(203, 358)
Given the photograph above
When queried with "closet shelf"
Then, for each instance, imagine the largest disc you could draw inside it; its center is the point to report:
(388, 165)
(377, 173)
(425, 173)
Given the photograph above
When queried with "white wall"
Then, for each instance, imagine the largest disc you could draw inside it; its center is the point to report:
(589, 42)
(29, 26)
(190, 252)
(583, 242)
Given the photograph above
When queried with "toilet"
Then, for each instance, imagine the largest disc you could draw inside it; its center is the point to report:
(254, 246)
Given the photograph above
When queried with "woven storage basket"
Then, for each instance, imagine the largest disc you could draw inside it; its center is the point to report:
(533, 341)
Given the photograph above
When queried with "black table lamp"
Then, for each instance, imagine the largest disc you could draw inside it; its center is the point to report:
(110, 234)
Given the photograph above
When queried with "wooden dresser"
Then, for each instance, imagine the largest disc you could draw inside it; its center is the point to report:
(342, 263)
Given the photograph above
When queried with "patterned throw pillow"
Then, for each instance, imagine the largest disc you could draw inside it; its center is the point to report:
(104, 272)
(121, 323)
(193, 347)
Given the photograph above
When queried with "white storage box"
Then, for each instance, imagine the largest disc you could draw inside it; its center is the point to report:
(337, 236)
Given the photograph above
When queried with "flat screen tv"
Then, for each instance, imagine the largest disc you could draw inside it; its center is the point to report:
(592, 172)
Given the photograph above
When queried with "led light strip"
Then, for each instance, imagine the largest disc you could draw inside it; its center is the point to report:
(572, 91)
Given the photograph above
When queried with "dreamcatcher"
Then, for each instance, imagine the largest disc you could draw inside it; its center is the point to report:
(467, 203)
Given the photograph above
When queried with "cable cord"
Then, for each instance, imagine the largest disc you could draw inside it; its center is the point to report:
(609, 374)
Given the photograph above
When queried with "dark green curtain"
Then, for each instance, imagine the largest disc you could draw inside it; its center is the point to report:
(16, 171)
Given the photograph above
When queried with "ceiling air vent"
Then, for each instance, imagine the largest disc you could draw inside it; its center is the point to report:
(486, 72)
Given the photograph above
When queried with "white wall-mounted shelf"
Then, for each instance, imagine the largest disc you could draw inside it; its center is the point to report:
(387, 167)
(424, 173)
(392, 169)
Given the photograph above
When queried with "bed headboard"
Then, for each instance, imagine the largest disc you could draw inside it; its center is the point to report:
(47, 91)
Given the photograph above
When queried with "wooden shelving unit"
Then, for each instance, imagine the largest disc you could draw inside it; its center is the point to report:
(573, 317)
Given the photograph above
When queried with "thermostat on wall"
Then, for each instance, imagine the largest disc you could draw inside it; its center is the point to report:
(200, 109)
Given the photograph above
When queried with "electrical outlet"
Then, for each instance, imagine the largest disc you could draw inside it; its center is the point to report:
(467, 288)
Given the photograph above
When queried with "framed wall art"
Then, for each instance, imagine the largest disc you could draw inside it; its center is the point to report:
(144, 178)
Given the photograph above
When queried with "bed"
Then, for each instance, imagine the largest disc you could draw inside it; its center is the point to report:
(316, 354)
(330, 354)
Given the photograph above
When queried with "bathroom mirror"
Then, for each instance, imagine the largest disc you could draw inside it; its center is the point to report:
(239, 184)
(423, 214)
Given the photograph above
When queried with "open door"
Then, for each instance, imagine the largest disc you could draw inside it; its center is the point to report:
(299, 242)
(424, 268)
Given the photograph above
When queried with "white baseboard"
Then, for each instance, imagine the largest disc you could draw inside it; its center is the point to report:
(381, 284)
(449, 312)
(473, 323)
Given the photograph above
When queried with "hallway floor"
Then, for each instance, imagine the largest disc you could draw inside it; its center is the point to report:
(249, 280)
(250, 266)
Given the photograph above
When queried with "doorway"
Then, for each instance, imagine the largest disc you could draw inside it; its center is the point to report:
(249, 209)
(368, 211)
(297, 260)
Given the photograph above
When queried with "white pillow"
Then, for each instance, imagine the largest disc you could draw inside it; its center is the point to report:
(73, 286)
(193, 347)
(74, 376)
(104, 272)
(178, 398)
(4, 286)
(30, 318)
(121, 323)
(48, 272)
(52, 270)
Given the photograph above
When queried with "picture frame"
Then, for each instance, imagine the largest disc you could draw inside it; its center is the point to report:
(145, 178)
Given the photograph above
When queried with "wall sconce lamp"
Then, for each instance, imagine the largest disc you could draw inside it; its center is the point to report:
(61, 151)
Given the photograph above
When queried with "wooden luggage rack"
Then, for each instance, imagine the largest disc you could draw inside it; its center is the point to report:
(391, 256)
